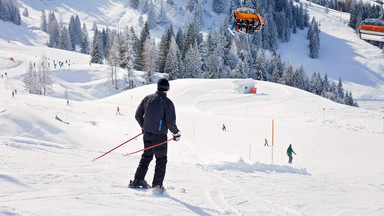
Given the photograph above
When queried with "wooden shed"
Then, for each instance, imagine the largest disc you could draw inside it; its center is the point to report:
(245, 86)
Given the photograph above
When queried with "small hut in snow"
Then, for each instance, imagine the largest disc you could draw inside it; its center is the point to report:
(245, 86)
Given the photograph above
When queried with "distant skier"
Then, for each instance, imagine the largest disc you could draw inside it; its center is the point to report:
(118, 111)
(266, 143)
(289, 153)
(224, 128)
(155, 115)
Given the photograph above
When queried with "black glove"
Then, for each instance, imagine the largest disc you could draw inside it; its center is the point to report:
(176, 137)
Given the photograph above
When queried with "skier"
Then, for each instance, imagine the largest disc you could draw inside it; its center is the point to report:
(118, 111)
(289, 153)
(266, 142)
(155, 115)
(224, 128)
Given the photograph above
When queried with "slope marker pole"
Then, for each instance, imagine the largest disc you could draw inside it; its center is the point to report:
(273, 136)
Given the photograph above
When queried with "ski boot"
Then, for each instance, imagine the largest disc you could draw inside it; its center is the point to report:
(138, 184)
(158, 189)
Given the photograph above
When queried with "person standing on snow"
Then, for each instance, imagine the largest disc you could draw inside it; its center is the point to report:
(266, 142)
(118, 111)
(155, 115)
(289, 153)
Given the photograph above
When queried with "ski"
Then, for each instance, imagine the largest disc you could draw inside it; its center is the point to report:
(231, 31)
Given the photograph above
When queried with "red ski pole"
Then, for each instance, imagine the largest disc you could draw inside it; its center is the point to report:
(117, 147)
(148, 148)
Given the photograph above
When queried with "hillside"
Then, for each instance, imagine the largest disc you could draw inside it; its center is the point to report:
(47, 168)
(49, 163)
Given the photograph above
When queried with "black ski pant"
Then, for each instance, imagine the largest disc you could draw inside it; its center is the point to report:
(290, 159)
(160, 153)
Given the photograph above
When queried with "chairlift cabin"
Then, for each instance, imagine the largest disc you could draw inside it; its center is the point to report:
(246, 21)
(372, 29)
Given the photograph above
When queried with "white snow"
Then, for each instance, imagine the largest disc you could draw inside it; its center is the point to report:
(46, 166)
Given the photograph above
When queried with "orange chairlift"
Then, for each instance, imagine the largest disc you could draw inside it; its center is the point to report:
(373, 29)
(247, 21)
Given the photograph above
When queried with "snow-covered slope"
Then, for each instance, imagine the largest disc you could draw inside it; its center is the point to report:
(342, 54)
(337, 167)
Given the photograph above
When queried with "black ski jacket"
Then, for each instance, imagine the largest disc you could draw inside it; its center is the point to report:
(156, 114)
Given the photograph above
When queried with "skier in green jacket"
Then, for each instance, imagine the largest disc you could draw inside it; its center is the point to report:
(289, 153)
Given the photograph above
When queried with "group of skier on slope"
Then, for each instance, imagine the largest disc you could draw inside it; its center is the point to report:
(156, 115)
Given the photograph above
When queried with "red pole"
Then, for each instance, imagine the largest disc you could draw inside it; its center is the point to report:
(148, 148)
(116, 147)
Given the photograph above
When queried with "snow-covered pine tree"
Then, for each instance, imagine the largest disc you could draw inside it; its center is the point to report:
(10, 11)
(192, 62)
(65, 40)
(75, 32)
(128, 81)
(164, 47)
(43, 22)
(180, 39)
(299, 17)
(190, 38)
(314, 46)
(53, 31)
(269, 31)
(340, 92)
(45, 77)
(325, 85)
(149, 58)
(113, 59)
(94, 26)
(281, 22)
(348, 99)
(127, 57)
(300, 79)
(287, 75)
(105, 40)
(28, 79)
(198, 14)
(332, 92)
(260, 68)
(173, 62)
(162, 18)
(218, 6)
(97, 50)
(241, 70)
(314, 39)
(25, 12)
(143, 36)
(151, 15)
(84, 45)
